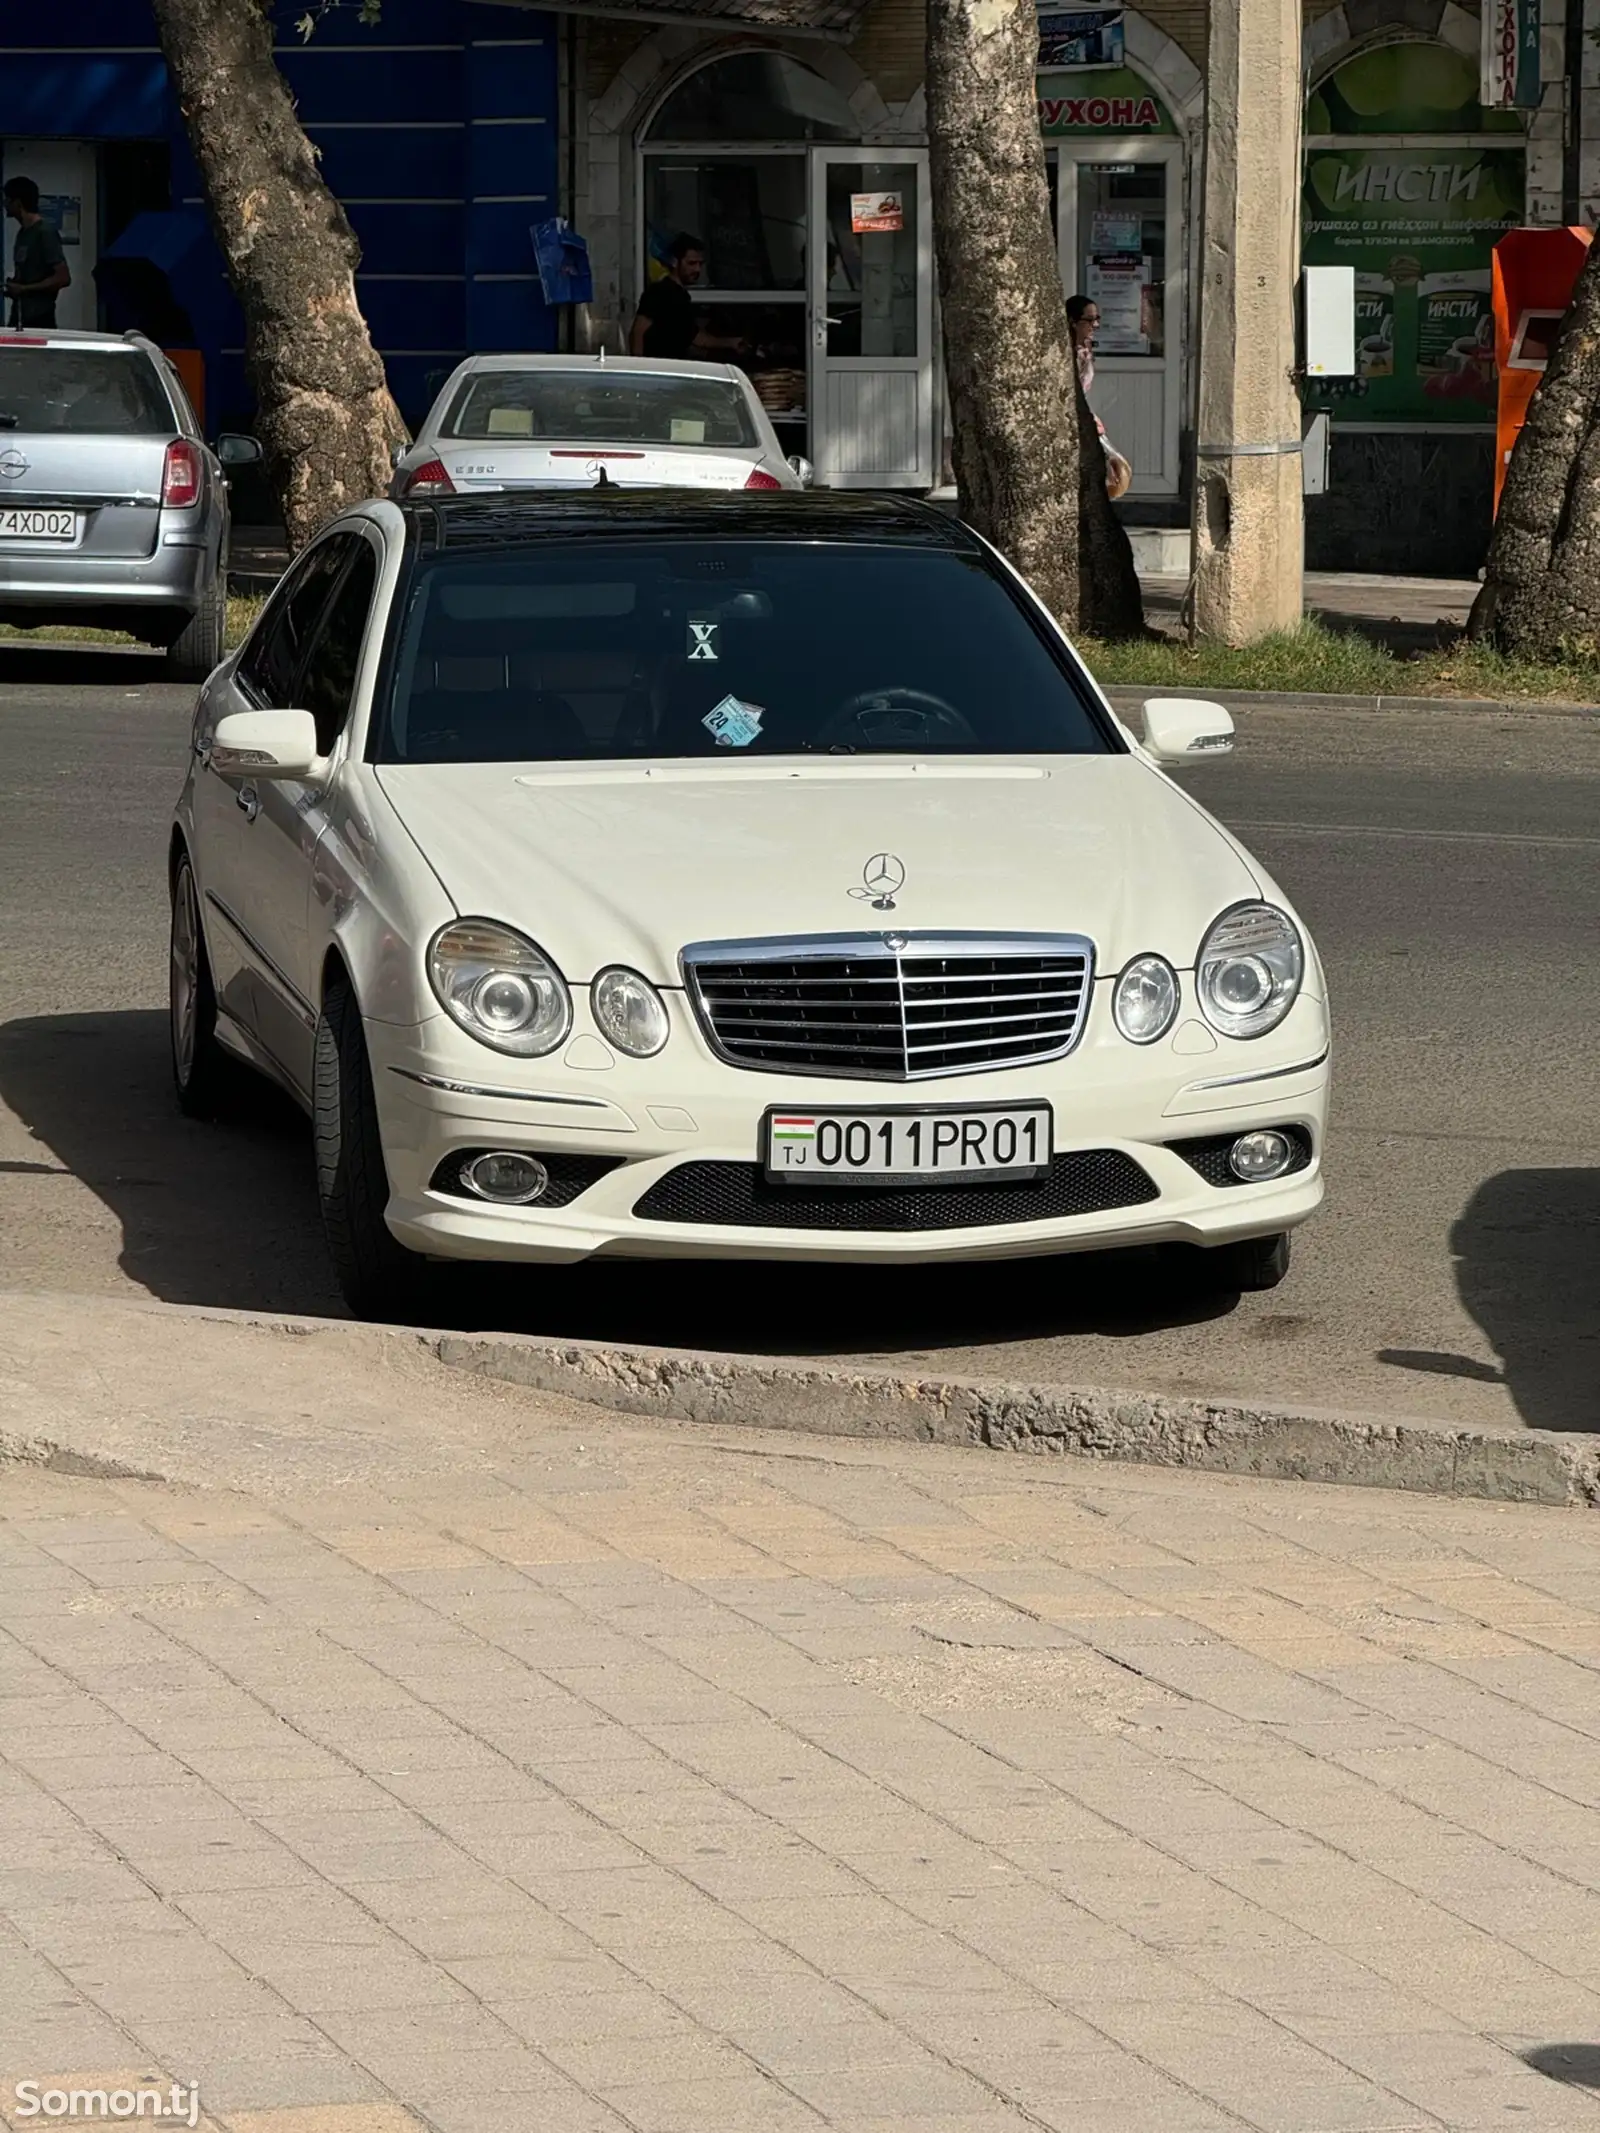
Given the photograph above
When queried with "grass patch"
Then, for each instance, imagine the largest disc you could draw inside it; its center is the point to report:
(1316, 660)
(243, 609)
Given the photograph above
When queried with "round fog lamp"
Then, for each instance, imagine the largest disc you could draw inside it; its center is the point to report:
(1256, 1156)
(511, 1179)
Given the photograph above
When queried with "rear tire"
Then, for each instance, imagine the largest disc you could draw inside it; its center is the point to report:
(379, 1278)
(198, 647)
(201, 1070)
(1252, 1264)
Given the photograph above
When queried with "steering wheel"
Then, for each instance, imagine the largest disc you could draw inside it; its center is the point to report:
(896, 717)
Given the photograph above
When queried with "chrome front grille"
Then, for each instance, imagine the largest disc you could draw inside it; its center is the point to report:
(892, 1006)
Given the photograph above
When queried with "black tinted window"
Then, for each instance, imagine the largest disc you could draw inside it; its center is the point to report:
(725, 649)
(330, 670)
(82, 392)
(272, 660)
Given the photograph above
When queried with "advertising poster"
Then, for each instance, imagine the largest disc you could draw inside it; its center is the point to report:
(877, 211)
(1419, 226)
(1090, 38)
(1116, 282)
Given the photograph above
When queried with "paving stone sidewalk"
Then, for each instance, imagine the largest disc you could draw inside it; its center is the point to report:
(699, 1782)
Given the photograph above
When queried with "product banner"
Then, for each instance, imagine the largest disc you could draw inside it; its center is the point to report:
(1091, 38)
(1419, 226)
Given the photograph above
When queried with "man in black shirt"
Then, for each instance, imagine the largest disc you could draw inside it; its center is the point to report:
(664, 324)
(38, 265)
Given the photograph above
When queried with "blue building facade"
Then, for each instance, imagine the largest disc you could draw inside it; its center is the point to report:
(438, 130)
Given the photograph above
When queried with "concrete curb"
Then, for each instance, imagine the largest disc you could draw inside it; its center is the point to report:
(1151, 1429)
(1126, 698)
(167, 1437)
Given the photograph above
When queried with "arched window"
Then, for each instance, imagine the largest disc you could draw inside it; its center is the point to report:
(754, 96)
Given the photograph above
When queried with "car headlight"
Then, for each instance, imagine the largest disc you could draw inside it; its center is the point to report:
(1248, 971)
(499, 987)
(629, 1010)
(1145, 999)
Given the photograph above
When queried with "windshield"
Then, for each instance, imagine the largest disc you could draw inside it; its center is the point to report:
(725, 650)
(82, 392)
(627, 407)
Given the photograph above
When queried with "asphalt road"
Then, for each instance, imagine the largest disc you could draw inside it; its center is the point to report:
(1450, 866)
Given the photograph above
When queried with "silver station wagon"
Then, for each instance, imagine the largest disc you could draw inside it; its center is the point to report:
(113, 509)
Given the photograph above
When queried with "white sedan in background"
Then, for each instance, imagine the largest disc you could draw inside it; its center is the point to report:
(572, 422)
(728, 877)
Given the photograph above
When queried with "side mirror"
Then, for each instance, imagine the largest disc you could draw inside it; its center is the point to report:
(397, 452)
(803, 467)
(236, 451)
(265, 744)
(1186, 729)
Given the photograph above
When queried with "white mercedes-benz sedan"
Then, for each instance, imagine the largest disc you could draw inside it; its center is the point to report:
(728, 877)
(567, 421)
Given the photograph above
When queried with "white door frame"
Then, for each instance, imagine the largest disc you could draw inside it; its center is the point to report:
(1163, 148)
(921, 366)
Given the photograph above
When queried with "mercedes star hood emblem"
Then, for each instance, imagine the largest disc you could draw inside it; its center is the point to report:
(882, 879)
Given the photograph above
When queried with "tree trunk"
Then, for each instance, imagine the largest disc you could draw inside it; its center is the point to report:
(324, 415)
(1014, 398)
(1541, 591)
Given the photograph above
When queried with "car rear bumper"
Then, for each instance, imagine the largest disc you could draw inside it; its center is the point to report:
(74, 584)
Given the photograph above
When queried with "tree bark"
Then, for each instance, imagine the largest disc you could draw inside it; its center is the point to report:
(1016, 412)
(324, 415)
(1541, 590)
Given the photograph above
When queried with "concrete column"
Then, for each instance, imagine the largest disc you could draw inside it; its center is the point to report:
(1248, 516)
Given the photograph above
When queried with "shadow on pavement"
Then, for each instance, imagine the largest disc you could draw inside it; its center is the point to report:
(225, 1213)
(1527, 1264)
(1576, 2064)
(211, 1214)
(85, 666)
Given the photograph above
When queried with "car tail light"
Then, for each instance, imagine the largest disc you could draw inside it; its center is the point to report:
(180, 483)
(430, 479)
(760, 479)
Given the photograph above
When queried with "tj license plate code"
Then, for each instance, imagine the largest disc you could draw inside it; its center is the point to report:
(866, 1147)
(54, 526)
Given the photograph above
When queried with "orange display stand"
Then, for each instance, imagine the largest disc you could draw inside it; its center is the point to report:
(1534, 273)
(190, 365)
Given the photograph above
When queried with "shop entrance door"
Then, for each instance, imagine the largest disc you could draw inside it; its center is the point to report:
(871, 274)
(1120, 243)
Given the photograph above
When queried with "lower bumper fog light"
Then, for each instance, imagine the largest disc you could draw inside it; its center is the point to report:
(1253, 1156)
(510, 1179)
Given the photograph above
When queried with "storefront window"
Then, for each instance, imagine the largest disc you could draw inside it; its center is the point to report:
(1122, 254)
(749, 211)
(1418, 224)
(755, 96)
(872, 259)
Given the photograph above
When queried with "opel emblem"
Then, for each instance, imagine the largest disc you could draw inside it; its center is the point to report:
(12, 465)
(882, 879)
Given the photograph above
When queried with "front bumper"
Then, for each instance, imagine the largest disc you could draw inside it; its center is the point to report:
(439, 1093)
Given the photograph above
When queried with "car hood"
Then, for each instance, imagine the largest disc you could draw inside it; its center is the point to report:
(627, 863)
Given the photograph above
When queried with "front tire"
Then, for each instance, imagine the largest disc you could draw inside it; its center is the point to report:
(1254, 1263)
(378, 1277)
(201, 1069)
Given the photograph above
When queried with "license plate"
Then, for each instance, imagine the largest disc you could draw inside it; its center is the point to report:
(932, 1146)
(57, 526)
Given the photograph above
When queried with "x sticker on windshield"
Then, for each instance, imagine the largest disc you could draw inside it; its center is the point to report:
(703, 640)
